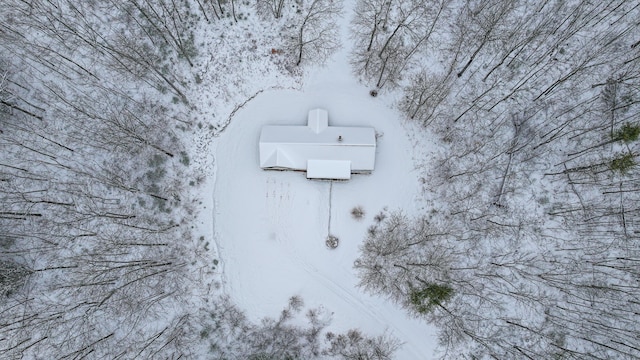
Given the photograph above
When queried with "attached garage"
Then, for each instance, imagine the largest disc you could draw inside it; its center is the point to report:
(323, 151)
(329, 169)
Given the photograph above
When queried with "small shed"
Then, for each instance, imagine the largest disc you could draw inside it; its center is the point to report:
(323, 151)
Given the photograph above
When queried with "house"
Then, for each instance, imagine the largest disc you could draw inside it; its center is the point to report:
(323, 151)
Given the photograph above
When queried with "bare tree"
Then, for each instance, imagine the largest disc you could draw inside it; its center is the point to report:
(422, 98)
(389, 34)
(89, 210)
(537, 188)
(354, 345)
(231, 335)
(314, 35)
(274, 7)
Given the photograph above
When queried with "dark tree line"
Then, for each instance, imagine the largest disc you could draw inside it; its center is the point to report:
(93, 205)
(96, 221)
(90, 213)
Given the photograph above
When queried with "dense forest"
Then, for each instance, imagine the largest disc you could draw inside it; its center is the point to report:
(531, 248)
(100, 104)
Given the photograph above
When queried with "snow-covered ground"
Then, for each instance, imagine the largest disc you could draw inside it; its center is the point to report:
(270, 226)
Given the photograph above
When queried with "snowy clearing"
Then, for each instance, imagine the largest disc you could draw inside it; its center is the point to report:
(271, 226)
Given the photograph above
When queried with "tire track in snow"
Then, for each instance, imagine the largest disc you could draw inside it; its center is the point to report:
(354, 301)
(350, 296)
(278, 201)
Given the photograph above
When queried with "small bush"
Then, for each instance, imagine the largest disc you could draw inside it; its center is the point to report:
(332, 242)
(296, 303)
(543, 200)
(12, 277)
(623, 163)
(357, 212)
(184, 158)
(380, 217)
(425, 299)
(627, 133)
(355, 345)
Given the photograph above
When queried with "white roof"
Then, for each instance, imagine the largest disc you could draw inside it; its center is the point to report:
(329, 169)
(279, 157)
(318, 131)
(318, 120)
(351, 136)
(325, 152)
